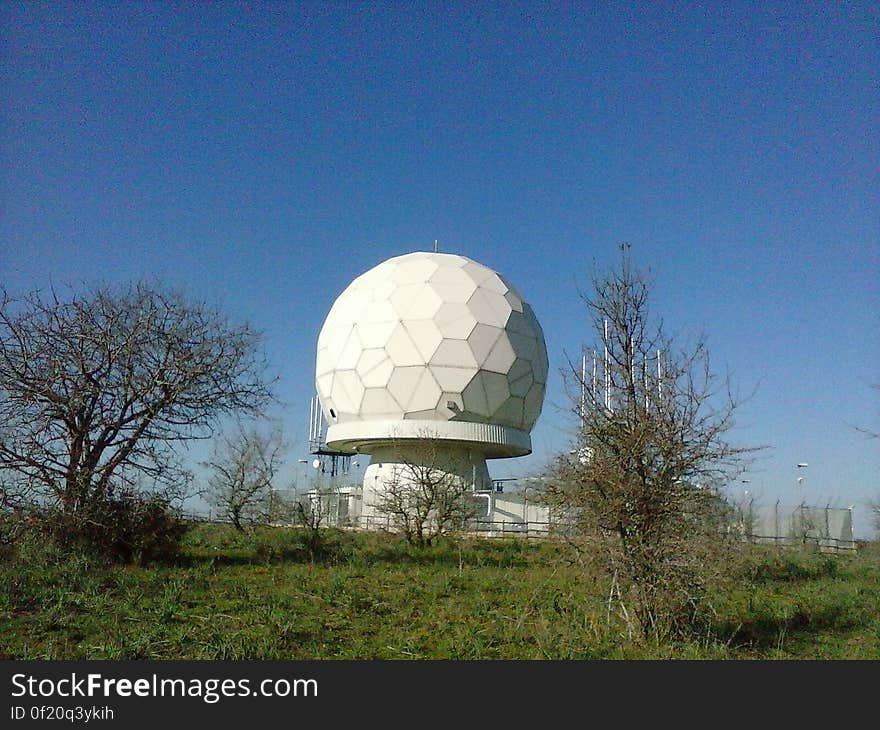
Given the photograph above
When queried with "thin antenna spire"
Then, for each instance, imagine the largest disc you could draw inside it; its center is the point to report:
(583, 387)
(607, 369)
(659, 380)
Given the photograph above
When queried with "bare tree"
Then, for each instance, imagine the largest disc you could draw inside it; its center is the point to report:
(311, 511)
(100, 388)
(650, 456)
(423, 499)
(242, 471)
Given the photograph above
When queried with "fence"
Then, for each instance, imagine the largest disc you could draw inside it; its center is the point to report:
(828, 528)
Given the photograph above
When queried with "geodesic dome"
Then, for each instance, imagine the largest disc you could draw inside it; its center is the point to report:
(431, 337)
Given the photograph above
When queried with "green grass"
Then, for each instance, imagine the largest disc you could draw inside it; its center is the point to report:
(265, 596)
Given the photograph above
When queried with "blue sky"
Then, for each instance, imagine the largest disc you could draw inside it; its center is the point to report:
(263, 155)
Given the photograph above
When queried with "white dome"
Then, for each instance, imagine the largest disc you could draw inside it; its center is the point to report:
(431, 337)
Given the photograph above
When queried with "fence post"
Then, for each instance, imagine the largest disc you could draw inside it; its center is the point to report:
(776, 523)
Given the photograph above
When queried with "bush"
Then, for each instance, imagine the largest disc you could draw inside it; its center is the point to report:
(122, 527)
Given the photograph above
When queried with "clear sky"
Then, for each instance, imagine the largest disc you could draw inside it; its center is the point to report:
(262, 155)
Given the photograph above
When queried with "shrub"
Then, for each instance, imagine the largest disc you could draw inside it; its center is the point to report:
(122, 527)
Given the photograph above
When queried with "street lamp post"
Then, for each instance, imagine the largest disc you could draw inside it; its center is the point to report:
(804, 527)
(800, 481)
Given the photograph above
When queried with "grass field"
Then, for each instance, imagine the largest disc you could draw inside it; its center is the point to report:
(260, 596)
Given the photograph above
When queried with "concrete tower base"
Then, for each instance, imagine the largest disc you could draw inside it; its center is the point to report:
(404, 467)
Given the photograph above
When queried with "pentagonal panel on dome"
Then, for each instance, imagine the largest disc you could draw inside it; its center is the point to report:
(489, 307)
(454, 353)
(414, 270)
(501, 356)
(482, 340)
(452, 379)
(401, 349)
(425, 336)
(455, 320)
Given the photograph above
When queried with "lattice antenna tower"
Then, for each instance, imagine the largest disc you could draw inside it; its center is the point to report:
(326, 459)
